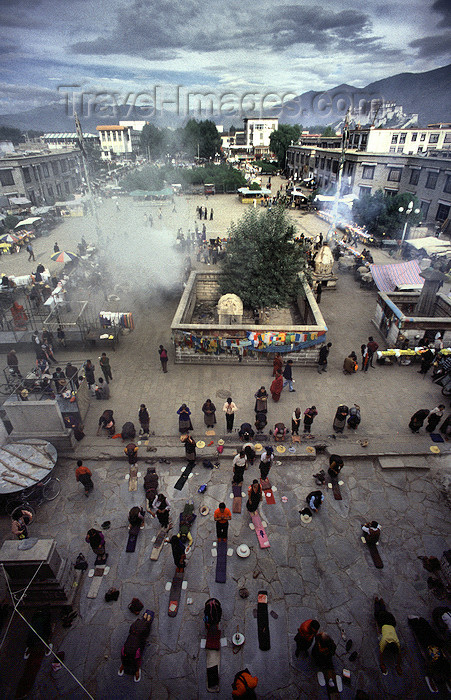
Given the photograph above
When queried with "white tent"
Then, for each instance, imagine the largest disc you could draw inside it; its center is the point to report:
(28, 222)
(430, 244)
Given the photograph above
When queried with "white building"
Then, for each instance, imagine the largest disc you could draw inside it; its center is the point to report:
(61, 140)
(115, 140)
(258, 132)
(411, 141)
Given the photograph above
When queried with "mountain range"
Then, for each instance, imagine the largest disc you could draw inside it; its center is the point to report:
(425, 94)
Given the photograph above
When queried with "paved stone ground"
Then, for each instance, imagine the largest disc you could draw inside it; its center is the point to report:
(320, 569)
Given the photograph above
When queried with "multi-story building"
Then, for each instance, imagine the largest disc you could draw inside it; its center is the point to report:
(408, 141)
(429, 178)
(115, 140)
(58, 141)
(258, 132)
(40, 178)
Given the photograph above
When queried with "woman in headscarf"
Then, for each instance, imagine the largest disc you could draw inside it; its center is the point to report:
(254, 496)
(209, 411)
(277, 364)
(261, 401)
(184, 418)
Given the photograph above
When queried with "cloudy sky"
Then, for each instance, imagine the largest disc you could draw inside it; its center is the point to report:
(167, 48)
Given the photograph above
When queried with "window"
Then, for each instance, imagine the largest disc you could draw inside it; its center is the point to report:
(55, 169)
(45, 169)
(316, 161)
(447, 138)
(59, 190)
(414, 177)
(394, 138)
(442, 212)
(414, 136)
(50, 190)
(328, 163)
(335, 166)
(26, 174)
(431, 181)
(400, 149)
(447, 187)
(394, 175)
(63, 165)
(402, 138)
(390, 192)
(392, 149)
(420, 149)
(67, 187)
(350, 168)
(433, 138)
(368, 172)
(422, 137)
(364, 190)
(424, 208)
(6, 177)
(323, 160)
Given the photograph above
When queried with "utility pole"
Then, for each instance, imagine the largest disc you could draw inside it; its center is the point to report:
(341, 162)
(84, 161)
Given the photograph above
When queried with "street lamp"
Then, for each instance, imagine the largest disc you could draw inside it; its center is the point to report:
(408, 211)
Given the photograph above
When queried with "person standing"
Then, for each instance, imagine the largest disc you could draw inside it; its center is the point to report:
(372, 348)
(89, 373)
(306, 634)
(322, 358)
(209, 411)
(229, 409)
(190, 448)
(427, 358)
(211, 214)
(13, 363)
(22, 518)
(104, 362)
(266, 460)
(83, 475)
(365, 357)
(340, 418)
(261, 401)
(96, 540)
(309, 415)
(222, 515)
(296, 421)
(276, 387)
(56, 248)
(239, 467)
(288, 375)
(162, 507)
(434, 418)
(184, 419)
(144, 419)
(163, 358)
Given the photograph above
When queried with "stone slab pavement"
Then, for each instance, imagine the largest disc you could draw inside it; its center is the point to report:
(320, 569)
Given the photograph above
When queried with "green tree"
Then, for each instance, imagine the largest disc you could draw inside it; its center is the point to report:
(380, 214)
(283, 137)
(201, 138)
(262, 264)
(10, 133)
(329, 131)
(151, 141)
(149, 178)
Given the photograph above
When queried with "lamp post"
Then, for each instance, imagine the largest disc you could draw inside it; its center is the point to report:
(408, 211)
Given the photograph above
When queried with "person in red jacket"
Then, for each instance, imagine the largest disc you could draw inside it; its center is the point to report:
(305, 636)
(372, 346)
(83, 475)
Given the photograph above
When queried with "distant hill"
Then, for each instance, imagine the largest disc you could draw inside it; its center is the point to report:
(425, 94)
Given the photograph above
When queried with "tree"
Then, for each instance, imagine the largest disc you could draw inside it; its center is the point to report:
(380, 214)
(329, 131)
(283, 137)
(150, 140)
(201, 138)
(10, 133)
(262, 263)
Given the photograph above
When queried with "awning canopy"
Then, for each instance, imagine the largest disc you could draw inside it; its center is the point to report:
(19, 200)
(347, 198)
(388, 277)
(28, 222)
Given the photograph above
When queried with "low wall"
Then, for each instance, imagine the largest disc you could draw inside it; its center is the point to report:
(212, 343)
(394, 325)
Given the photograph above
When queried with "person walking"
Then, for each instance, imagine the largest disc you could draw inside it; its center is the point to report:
(276, 387)
(434, 418)
(295, 421)
(104, 362)
(365, 358)
(13, 363)
(306, 634)
(229, 409)
(266, 460)
(309, 415)
(322, 358)
(222, 515)
(277, 364)
(209, 411)
(144, 419)
(30, 252)
(288, 375)
(162, 508)
(184, 419)
(254, 496)
(83, 475)
(163, 358)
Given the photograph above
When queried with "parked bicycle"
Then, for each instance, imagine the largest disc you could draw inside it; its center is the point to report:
(31, 498)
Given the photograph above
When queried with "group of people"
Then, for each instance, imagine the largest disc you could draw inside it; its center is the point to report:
(433, 417)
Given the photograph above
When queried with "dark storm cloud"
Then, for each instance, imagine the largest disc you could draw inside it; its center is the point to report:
(433, 46)
(443, 7)
(294, 24)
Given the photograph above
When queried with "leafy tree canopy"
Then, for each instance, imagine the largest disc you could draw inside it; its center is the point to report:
(201, 138)
(149, 178)
(151, 140)
(380, 214)
(280, 139)
(266, 167)
(262, 263)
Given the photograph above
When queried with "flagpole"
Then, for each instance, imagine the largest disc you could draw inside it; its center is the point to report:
(84, 161)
